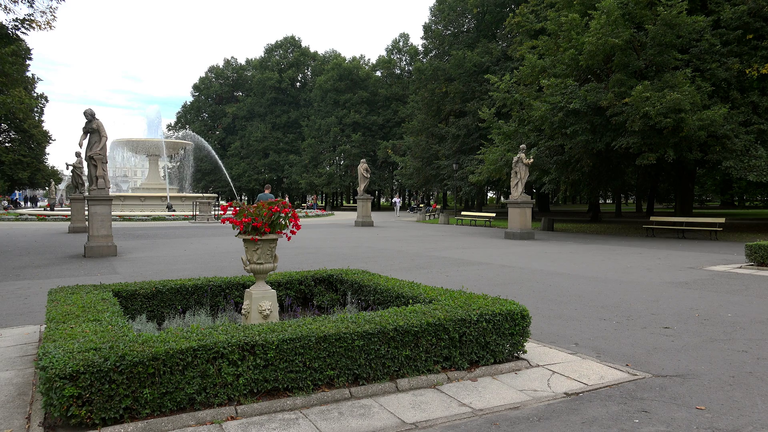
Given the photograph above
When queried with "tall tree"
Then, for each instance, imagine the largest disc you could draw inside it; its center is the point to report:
(463, 43)
(23, 139)
(25, 15)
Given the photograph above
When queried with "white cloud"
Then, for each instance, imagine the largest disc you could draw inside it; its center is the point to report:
(120, 57)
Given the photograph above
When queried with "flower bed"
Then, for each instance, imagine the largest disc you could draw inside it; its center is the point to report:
(94, 370)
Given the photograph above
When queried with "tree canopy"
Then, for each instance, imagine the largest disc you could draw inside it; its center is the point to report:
(662, 100)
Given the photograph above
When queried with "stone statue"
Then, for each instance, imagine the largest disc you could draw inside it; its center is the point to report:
(52, 192)
(95, 153)
(78, 180)
(363, 177)
(519, 173)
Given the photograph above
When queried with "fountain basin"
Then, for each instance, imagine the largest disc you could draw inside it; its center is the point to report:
(156, 202)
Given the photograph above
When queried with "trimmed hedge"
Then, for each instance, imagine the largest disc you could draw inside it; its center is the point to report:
(757, 253)
(94, 370)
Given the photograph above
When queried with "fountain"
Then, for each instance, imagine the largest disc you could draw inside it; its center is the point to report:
(153, 193)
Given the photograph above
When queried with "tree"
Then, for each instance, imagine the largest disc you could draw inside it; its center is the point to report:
(612, 91)
(23, 140)
(25, 15)
(463, 43)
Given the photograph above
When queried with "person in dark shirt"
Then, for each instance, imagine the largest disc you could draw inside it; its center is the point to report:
(266, 195)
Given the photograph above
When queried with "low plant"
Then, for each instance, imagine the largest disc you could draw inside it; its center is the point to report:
(757, 253)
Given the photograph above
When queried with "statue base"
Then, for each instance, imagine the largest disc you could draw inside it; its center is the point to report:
(100, 241)
(364, 218)
(77, 222)
(255, 297)
(520, 215)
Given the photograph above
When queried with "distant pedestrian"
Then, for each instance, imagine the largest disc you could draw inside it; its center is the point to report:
(396, 202)
(26, 200)
(34, 201)
(314, 202)
(266, 195)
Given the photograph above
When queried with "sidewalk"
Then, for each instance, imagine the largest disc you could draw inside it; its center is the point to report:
(545, 374)
(18, 349)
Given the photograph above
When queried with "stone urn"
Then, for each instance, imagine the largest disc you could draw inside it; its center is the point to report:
(260, 301)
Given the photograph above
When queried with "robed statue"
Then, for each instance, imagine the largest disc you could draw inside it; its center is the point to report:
(77, 180)
(95, 153)
(363, 177)
(520, 166)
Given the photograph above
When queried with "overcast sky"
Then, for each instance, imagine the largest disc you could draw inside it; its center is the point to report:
(120, 58)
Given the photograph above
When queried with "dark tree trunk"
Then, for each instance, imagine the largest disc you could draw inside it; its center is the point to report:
(594, 208)
(445, 199)
(685, 180)
(649, 207)
(616, 203)
(542, 202)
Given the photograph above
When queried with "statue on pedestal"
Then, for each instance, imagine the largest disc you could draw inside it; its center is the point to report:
(52, 192)
(78, 179)
(363, 177)
(95, 153)
(519, 173)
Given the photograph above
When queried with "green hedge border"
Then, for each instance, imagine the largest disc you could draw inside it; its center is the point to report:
(94, 370)
(757, 253)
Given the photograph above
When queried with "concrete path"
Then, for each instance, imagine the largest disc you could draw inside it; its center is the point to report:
(18, 349)
(648, 302)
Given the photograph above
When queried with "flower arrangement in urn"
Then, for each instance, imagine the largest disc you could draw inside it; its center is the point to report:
(263, 218)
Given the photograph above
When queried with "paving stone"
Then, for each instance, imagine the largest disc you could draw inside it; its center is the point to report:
(588, 372)
(15, 392)
(19, 335)
(530, 344)
(422, 405)
(540, 380)
(292, 403)
(364, 415)
(278, 422)
(545, 356)
(423, 381)
(498, 369)
(484, 393)
(456, 375)
(206, 428)
(18, 357)
(375, 389)
(173, 423)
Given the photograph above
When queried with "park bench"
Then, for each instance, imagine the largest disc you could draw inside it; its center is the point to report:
(431, 213)
(486, 218)
(683, 224)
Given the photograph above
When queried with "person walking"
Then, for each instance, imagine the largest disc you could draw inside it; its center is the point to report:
(26, 200)
(266, 195)
(314, 202)
(396, 202)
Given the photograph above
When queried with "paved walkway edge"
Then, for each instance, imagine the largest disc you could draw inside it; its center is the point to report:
(216, 416)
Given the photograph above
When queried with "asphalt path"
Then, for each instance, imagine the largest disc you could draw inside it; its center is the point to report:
(645, 302)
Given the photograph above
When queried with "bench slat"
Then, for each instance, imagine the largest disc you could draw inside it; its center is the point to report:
(686, 219)
(683, 228)
(491, 215)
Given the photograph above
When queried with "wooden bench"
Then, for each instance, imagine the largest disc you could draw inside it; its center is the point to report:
(486, 218)
(431, 213)
(683, 224)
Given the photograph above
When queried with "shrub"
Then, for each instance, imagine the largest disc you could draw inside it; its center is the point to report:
(95, 370)
(757, 253)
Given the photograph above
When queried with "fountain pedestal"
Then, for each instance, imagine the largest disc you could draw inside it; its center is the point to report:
(77, 222)
(100, 241)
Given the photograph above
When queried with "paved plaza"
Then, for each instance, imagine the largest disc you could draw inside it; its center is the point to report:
(627, 304)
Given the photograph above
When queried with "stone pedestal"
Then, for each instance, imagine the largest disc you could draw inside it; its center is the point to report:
(520, 212)
(444, 219)
(100, 242)
(260, 302)
(204, 211)
(364, 218)
(77, 222)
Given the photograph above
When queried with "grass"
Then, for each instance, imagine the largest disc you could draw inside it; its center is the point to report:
(758, 232)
